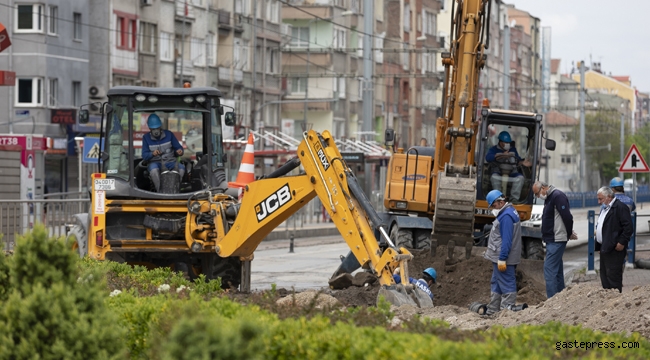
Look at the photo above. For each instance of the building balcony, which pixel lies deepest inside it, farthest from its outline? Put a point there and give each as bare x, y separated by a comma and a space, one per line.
224, 20
230, 75
188, 68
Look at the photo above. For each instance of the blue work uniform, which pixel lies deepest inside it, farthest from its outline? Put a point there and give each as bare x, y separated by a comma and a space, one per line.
421, 284
626, 200
167, 144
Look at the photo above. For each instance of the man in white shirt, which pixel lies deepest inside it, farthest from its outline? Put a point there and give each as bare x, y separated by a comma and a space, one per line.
613, 232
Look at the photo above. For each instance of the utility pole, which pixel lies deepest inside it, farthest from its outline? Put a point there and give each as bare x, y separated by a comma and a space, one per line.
583, 180
506, 67
368, 29
620, 174
254, 73
183, 40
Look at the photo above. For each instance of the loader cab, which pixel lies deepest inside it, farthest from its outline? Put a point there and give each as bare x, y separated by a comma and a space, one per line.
512, 172
194, 118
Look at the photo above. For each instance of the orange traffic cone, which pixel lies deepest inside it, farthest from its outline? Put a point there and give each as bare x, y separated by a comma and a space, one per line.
246, 173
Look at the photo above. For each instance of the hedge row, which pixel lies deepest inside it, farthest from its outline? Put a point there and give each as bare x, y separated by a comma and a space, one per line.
54, 307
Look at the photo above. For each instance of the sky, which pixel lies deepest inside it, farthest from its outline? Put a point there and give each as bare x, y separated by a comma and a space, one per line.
614, 33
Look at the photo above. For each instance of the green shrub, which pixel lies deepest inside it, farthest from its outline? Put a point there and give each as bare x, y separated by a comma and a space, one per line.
51, 312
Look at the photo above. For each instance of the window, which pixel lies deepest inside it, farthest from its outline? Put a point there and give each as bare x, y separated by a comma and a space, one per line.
360, 89
565, 136
242, 7
77, 25
360, 46
340, 41
197, 51
54, 92
53, 27
298, 85
126, 33
29, 18
244, 56
428, 23
30, 91
300, 36
166, 46
379, 44
428, 63
407, 17
211, 49
568, 159
197, 2
148, 37
271, 61
428, 97
339, 87
76, 93
272, 13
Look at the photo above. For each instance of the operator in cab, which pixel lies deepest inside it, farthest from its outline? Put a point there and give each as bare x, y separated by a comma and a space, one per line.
160, 146
505, 158
429, 276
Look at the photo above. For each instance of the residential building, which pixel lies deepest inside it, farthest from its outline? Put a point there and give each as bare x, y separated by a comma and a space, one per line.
50, 56
597, 82
526, 60
562, 166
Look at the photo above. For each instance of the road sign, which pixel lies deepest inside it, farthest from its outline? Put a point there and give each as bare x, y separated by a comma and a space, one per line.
634, 162
91, 150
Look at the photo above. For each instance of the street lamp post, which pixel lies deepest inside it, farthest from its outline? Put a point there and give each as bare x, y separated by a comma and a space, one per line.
80, 152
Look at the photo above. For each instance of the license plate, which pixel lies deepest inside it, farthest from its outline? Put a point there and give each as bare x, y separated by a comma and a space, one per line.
104, 184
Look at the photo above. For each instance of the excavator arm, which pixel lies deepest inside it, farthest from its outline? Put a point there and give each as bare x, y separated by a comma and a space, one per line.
270, 201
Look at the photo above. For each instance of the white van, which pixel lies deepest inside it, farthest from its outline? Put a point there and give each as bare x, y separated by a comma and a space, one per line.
627, 186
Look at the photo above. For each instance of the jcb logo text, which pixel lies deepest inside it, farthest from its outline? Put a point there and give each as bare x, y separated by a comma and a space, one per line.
272, 203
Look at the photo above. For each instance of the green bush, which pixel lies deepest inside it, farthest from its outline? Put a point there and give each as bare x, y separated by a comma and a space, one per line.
52, 313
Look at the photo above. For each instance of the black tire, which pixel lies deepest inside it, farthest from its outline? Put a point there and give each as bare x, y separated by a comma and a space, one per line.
77, 240
533, 249
402, 237
422, 239
228, 269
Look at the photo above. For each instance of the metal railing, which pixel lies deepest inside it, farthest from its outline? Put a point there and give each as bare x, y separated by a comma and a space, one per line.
588, 199
19, 216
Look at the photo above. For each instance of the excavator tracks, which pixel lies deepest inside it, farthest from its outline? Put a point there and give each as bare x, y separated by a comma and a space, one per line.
455, 203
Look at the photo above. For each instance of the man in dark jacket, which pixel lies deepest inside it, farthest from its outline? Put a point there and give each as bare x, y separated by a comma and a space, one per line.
613, 232
557, 228
504, 251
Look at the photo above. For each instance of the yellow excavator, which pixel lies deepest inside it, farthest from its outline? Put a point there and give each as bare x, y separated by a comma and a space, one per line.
198, 224
436, 195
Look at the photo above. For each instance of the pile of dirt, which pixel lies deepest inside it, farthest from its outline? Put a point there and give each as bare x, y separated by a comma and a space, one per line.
586, 304
460, 281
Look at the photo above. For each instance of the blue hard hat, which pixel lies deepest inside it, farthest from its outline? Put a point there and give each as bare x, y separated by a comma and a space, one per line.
492, 196
617, 181
431, 272
505, 137
153, 122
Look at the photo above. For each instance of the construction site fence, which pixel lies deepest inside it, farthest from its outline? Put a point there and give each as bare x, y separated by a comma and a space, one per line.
588, 199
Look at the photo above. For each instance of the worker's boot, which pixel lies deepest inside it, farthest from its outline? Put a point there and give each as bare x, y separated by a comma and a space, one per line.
495, 304
154, 174
508, 300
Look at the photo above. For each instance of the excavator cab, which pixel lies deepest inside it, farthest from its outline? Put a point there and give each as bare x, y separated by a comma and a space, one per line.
192, 115
511, 165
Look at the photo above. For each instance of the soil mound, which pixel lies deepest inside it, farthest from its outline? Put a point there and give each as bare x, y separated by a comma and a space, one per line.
460, 281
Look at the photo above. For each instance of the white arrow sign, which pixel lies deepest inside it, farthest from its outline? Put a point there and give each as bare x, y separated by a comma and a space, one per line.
634, 162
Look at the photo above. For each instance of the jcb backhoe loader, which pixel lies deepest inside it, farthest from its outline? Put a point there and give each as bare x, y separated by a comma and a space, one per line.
436, 195
202, 227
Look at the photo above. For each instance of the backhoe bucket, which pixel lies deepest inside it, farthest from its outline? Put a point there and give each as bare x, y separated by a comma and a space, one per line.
395, 295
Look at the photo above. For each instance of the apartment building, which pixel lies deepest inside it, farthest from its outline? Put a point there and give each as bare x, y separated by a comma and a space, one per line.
50, 56
525, 60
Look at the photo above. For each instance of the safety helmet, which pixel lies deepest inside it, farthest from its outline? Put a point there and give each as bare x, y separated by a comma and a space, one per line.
505, 137
493, 196
431, 272
617, 181
153, 122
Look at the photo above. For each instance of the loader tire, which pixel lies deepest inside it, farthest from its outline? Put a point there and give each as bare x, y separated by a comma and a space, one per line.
533, 248
77, 240
228, 269
401, 237
422, 239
